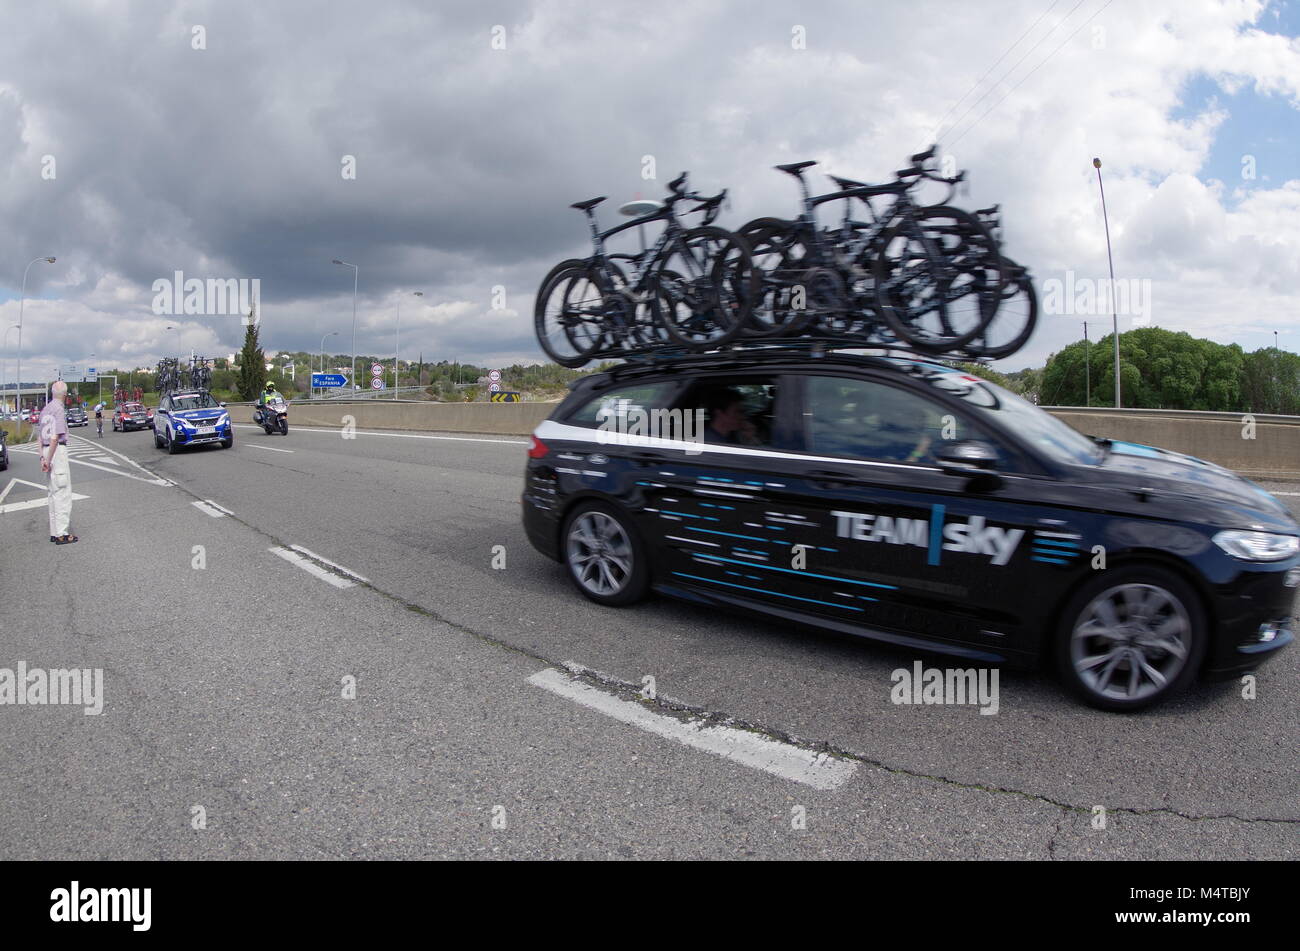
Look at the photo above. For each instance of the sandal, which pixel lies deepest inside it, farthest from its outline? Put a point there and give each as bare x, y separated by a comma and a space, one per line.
64, 539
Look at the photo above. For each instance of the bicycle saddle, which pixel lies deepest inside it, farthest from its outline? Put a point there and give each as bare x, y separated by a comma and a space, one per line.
589, 203
794, 168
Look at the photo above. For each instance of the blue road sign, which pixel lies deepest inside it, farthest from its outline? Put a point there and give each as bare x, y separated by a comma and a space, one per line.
328, 379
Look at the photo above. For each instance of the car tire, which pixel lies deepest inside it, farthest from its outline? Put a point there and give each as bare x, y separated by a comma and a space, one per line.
227, 443
157, 440
614, 570
172, 449
1131, 638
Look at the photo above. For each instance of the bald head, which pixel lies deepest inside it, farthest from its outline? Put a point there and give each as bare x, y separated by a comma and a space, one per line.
59, 391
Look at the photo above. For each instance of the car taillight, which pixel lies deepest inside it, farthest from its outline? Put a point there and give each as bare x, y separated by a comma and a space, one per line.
538, 449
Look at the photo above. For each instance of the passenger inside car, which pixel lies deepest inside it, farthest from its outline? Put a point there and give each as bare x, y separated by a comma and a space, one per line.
737, 415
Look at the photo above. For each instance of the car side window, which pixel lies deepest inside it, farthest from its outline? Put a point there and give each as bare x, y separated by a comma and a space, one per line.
605, 410
738, 411
865, 419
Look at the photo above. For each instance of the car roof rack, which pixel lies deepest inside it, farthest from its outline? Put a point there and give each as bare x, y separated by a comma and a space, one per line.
783, 351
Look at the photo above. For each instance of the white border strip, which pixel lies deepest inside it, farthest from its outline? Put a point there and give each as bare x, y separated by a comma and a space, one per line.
208, 507
740, 746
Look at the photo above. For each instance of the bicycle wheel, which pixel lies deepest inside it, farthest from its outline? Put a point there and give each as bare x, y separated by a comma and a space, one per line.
912, 291
781, 306
973, 267
568, 314
638, 327
1016, 318
705, 286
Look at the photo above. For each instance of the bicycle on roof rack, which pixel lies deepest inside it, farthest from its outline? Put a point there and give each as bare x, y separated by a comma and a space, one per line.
927, 276
691, 289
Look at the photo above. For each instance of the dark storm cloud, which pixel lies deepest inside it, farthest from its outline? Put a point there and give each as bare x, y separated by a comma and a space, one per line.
225, 162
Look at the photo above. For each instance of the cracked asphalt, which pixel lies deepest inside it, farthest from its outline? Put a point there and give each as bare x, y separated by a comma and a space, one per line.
224, 694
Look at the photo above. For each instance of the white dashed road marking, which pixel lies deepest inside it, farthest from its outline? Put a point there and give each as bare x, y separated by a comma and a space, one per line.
785, 760
293, 558
325, 561
267, 448
209, 507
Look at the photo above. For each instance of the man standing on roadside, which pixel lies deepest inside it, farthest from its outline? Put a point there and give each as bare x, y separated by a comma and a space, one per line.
54, 460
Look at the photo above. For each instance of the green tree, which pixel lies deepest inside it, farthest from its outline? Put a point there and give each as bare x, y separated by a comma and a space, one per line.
252, 363
1159, 369
1270, 382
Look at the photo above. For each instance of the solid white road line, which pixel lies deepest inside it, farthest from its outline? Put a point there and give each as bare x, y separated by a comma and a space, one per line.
29, 503
740, 746
359, 432
296, 559
208, 507
152, 477
267, 448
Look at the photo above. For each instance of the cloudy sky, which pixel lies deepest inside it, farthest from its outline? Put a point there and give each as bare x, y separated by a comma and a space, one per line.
218, 139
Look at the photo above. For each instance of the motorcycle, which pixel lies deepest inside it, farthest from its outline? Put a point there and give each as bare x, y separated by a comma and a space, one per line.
273, 417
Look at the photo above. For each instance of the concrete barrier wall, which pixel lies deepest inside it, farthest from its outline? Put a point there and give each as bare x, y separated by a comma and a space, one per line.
1217, 437
506, 419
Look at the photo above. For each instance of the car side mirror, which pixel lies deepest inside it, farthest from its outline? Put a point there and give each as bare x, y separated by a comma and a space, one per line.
971, 458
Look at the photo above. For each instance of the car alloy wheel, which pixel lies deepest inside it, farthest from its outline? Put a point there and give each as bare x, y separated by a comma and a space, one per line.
1133, 639
604, 556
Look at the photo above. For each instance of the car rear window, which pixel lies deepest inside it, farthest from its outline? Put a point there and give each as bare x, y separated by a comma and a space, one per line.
620, 401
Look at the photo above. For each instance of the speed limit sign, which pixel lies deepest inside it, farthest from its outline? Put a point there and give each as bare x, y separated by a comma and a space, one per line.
376, 369
376, 384
494, 376
494, 387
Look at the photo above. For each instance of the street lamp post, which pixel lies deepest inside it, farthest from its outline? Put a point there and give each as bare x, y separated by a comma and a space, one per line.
1087, 369
322, 353
397, 338
8, 330
22, 299
1096, 163
356, 271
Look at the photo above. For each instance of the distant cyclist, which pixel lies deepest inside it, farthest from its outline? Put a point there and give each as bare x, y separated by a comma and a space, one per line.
99, 418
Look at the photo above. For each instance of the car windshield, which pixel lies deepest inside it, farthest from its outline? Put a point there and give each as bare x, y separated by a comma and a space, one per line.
1015, 414
133, 408
188, 401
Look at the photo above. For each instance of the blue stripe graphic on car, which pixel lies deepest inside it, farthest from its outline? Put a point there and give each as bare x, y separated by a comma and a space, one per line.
793, 571
745, 587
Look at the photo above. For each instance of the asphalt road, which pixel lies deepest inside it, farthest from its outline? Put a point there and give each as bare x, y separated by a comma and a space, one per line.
224, 691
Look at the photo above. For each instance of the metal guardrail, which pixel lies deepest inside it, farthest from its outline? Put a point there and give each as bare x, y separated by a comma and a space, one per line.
1192, 414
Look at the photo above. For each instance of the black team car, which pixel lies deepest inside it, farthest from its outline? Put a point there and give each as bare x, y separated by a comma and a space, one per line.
908, 502
76, 416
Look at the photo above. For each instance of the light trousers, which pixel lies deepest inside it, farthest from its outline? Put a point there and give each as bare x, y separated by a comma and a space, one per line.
60, 492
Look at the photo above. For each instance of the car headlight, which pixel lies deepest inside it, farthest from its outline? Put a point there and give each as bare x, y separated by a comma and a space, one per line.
1257, 546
